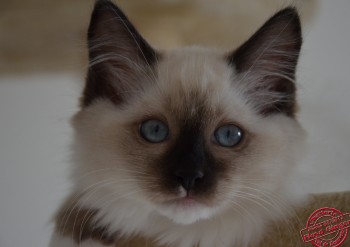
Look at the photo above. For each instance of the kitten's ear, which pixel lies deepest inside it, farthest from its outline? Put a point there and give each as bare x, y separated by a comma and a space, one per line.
266, 63
120, 60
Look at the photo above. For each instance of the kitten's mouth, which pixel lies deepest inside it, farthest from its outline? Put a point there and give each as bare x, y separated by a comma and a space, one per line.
187, 202
185, 210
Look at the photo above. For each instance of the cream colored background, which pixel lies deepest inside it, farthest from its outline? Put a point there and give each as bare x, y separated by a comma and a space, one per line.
42, 65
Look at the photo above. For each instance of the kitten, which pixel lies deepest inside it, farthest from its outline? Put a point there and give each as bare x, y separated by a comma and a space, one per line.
189, 147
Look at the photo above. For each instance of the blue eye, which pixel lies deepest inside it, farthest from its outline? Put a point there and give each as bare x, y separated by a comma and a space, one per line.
228, 135
154, 131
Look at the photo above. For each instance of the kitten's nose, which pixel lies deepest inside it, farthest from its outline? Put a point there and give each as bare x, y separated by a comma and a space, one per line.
189, 178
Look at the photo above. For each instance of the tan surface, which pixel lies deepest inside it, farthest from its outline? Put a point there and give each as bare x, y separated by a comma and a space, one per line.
50, 35
287, 234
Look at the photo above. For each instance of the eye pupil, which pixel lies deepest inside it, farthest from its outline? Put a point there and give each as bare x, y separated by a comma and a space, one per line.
228, 135
154, 131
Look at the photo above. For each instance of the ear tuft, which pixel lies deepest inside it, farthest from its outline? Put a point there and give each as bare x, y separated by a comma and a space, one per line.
267, 62
120, 60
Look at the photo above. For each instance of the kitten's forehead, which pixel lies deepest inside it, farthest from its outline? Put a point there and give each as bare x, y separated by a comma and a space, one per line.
193, 80
193, 68
192, 84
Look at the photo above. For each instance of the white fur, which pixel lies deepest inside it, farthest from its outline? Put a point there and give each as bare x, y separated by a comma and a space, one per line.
260, 193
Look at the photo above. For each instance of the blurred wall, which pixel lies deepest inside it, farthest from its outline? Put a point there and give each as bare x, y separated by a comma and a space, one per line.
50, 35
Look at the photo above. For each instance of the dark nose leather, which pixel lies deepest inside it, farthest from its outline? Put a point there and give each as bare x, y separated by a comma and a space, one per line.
188, 179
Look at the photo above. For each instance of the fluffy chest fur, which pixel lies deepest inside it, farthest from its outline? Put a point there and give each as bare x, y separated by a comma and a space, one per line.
191, 147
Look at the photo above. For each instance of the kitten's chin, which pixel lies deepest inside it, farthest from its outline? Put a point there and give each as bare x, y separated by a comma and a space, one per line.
185, 211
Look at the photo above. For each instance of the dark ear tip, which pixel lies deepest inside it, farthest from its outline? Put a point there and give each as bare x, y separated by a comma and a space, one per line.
101, 9
289, 10
291, 16
294, 16
289, 13
100, 4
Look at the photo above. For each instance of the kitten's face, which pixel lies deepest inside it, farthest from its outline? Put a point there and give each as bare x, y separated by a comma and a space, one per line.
184, 132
